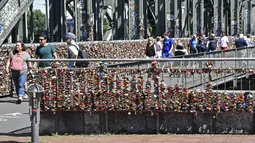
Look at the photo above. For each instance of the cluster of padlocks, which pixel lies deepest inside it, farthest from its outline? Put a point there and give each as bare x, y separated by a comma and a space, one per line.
102, 89
132, 90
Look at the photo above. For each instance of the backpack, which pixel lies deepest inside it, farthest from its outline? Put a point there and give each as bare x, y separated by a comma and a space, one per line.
81, 55
212, 44
17, 62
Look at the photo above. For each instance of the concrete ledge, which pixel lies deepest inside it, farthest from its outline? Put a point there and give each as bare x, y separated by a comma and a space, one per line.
145, 123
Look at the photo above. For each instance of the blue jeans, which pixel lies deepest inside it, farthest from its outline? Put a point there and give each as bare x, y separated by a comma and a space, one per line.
19, 82
167, 55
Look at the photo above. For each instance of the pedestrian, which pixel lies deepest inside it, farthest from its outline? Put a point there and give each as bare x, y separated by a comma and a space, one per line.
249, 41
224, 43
193, 44
73, 48
240, 43
159, 47
212, 44
18, 64
167, 51
180, 50
45, 51
150, 50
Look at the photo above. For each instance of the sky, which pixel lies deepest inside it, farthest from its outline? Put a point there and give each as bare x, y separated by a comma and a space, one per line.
40, 4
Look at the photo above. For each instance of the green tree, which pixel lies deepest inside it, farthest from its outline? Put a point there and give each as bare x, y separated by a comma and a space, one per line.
39, 24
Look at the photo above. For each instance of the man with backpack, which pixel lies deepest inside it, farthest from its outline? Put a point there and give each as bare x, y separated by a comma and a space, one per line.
74, 52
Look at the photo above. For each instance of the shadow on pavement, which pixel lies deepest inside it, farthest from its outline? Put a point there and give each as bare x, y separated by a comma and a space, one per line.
10, 142
23, 132
15, 134
13, 100
4, 96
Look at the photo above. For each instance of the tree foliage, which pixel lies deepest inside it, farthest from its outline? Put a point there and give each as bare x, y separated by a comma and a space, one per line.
39, 24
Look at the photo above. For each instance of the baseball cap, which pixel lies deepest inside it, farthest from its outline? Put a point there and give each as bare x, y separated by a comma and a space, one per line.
70, 36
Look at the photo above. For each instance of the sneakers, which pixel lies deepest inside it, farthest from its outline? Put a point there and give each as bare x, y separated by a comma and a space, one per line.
25, 96
20, 99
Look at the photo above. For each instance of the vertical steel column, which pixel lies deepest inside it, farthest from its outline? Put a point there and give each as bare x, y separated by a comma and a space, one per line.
51, 22
97, 16
56, 20
62, 19
218, 17
157, 15
248, 18
142, 19
31, 34
253, 17
81, 21
115, 17
201, 16
177, 25
167, 15
133, 19
233, 15
185, 16
118, 33
206, 17
75, 20
160, 17
90, 21
225, 26
25, 29
189, 17
240, 16
173, 18
180, 31
47, 17
222, 20
125, 20
195, 16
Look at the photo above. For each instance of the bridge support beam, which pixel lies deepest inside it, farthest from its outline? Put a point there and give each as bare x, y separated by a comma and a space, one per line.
234, 19
57, 20
89, 21
218, 17
118, 28
160, 17
133, 31
97, 9
176, 23
248, 17
167, 16
252, 17
195, 16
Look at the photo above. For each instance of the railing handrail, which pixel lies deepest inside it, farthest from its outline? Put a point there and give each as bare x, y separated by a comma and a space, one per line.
142, 59
185, 56
94, 42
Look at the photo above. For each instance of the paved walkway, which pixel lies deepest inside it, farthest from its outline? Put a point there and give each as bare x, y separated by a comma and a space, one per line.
138, 139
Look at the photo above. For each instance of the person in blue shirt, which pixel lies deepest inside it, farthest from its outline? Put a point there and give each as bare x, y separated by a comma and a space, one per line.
240, 41
193, 44
167, 51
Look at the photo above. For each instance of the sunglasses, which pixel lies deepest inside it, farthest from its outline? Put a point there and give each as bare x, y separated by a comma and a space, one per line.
41, 39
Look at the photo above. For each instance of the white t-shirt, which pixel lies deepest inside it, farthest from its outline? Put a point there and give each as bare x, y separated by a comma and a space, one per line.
224, 41
74, 50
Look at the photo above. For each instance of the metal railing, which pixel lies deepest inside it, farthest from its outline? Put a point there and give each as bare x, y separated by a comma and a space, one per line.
156, 87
